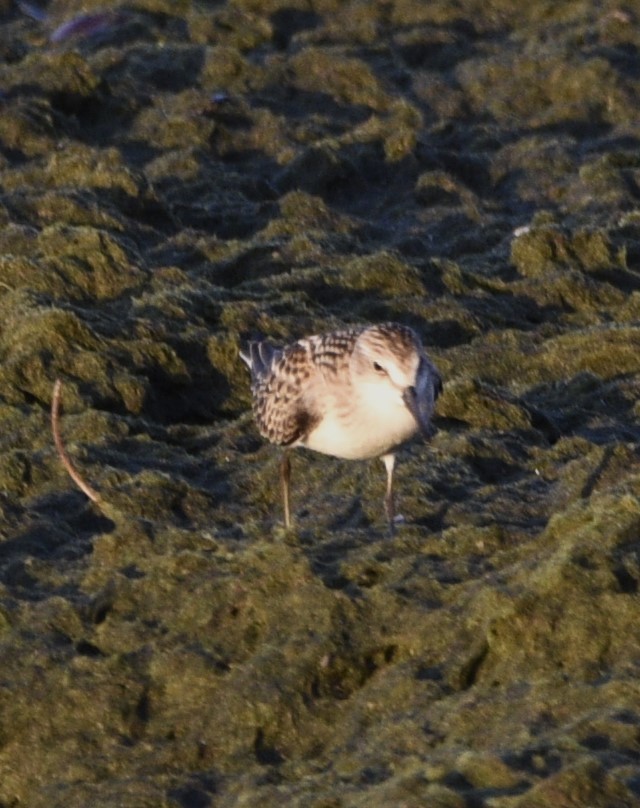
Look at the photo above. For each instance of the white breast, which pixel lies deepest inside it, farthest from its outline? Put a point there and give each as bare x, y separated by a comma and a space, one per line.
367, 426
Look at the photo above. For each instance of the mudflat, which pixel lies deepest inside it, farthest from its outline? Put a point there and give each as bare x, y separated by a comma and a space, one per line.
177, 177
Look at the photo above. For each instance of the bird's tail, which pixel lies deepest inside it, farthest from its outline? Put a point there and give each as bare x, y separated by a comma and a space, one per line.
259, 358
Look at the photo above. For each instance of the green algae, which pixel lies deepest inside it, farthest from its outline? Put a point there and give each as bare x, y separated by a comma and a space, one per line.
605, 351
223, 353
383, 273
29, 345
62, 72
542, 90
15, 472
347, 80
437, 188
584, 781
187, 178
90, 260
28, 127
542, 250
466, 400
172, 128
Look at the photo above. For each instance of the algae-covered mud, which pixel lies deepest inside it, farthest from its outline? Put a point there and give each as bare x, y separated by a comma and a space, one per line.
178, 176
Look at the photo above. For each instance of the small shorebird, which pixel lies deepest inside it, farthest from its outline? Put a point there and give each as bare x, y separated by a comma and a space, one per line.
356, 393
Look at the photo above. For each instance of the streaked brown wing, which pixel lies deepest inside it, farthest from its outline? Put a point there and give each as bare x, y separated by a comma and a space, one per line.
279, 406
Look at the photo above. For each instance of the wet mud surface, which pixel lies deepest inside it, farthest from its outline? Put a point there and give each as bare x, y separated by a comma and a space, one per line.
176, 177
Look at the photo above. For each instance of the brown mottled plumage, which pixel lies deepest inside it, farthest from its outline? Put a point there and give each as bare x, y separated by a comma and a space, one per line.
355, 393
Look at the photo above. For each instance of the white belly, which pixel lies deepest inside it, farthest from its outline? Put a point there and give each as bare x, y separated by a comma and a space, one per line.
363, 433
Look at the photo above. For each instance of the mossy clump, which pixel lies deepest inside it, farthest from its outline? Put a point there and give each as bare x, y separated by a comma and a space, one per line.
487, 770
584, 782
38, 344
28, 127
347, 80
535, 252
481, 406
306, 210
79, 166
383, 272
239, 26
437, 188
580, 590
541, 251
94, 263
401, 129
15, 471
64, 74
519, 360
225, 69
223, 353
593, 250
604, 181
578, 295
606, 351
21, 272
172, 126
74, 207
546, 88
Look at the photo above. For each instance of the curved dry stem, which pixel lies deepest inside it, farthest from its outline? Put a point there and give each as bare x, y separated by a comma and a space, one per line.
93, 495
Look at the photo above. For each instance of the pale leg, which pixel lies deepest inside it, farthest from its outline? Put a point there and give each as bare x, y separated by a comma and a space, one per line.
285, 476
389, 461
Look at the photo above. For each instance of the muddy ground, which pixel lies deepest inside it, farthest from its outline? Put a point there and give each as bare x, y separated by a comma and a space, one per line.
178, 176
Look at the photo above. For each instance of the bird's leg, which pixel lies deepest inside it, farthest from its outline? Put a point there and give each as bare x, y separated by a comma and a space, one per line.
389, 461
285, 476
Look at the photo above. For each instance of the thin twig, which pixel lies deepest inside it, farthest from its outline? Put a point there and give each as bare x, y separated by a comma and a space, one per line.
93, 495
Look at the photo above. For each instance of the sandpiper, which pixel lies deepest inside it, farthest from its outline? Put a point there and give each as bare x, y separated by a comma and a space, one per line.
356, 393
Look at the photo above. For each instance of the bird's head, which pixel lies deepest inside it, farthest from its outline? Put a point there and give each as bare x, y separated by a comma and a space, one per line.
390, 361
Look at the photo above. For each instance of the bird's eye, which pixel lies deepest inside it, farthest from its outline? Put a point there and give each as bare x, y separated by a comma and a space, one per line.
378, 368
